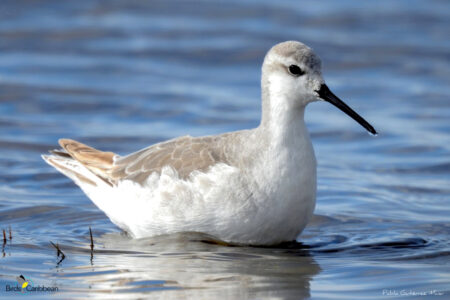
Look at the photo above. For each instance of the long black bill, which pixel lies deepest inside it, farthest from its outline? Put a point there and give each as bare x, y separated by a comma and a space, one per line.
328, 96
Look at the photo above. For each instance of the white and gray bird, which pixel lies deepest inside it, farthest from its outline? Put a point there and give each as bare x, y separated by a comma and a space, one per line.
255, 186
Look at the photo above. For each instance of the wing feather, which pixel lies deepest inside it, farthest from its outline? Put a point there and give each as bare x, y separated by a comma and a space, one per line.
185, 154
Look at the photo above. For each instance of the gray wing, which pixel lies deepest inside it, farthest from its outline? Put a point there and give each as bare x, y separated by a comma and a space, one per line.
184, 154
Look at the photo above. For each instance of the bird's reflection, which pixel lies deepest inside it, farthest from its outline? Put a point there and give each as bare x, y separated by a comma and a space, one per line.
183, 265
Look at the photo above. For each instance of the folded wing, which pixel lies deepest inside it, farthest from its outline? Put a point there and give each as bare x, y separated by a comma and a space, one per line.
185, 155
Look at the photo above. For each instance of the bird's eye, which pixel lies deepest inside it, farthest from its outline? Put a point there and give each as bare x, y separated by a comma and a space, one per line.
295, 70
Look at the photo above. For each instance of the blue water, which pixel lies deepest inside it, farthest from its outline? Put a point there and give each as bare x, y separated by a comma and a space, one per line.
121, 75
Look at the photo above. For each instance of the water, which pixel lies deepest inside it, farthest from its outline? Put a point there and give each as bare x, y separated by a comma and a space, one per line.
122, 75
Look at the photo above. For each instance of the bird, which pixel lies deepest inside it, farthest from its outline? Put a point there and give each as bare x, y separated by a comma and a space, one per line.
248, 187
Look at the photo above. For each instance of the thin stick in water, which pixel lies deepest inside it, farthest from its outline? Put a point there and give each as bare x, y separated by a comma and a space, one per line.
57, 248
92, 245
92, 240
59, 252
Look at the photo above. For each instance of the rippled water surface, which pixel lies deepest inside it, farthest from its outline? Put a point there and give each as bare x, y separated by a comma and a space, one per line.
120, 75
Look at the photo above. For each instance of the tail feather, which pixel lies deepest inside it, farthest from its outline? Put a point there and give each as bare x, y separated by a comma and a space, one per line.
73, 169
97, 161
81, 163
60, 152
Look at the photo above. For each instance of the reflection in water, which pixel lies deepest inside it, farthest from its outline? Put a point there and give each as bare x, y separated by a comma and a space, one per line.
184, 266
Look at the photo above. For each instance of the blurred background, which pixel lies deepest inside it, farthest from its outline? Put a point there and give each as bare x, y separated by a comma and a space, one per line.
121, 75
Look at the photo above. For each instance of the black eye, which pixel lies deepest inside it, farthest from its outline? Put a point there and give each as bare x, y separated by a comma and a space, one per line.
295, 70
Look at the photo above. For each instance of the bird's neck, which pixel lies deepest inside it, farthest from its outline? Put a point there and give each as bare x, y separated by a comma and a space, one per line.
281, 122
283, 154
